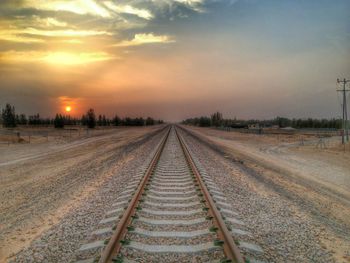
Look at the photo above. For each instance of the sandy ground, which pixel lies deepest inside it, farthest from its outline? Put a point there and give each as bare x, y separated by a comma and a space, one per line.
42, 181
315, 180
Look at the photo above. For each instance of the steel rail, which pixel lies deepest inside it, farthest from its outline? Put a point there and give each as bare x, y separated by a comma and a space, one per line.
114, 244
230, 249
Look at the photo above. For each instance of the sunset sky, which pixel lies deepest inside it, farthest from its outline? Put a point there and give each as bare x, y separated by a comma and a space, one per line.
174, 59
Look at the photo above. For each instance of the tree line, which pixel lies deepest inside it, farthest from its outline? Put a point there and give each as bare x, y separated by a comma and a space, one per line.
216, 120
10, 119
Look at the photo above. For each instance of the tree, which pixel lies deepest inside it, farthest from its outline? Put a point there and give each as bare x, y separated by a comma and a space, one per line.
104, 120
83, 120
139, 121
204, 122
127, 121
116, 120
216, 119
35, 119
282, 122
99, 120
59, 121
149, 121
23, 119
91, 118
9, 116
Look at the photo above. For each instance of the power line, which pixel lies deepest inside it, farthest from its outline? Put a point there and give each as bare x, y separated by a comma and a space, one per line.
345, 109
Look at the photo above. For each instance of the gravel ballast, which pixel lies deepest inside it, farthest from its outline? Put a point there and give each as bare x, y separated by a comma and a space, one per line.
277, 225
61, 242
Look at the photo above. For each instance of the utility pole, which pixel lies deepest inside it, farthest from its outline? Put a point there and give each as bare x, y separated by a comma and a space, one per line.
345, 109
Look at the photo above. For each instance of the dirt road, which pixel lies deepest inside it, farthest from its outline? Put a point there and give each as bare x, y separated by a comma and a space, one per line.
40, 183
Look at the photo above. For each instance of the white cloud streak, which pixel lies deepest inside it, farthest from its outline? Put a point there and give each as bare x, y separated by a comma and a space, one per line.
128, 9
19, 35
81, 7
141, 39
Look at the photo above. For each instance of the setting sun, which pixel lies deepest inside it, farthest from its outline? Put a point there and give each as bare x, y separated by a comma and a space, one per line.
233, 114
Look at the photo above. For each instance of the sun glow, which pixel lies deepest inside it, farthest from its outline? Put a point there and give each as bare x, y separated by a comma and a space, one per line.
73, 59
68, 108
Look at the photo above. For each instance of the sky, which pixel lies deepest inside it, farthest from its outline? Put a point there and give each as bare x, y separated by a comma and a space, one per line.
175, 59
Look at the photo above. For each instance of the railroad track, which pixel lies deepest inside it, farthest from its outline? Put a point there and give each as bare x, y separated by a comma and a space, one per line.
172, 215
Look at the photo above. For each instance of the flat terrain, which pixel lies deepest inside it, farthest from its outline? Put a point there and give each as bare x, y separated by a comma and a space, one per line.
314, 181
328, 166
292, 196
42, 181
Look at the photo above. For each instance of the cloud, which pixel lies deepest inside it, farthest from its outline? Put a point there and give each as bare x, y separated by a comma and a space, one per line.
63, 33
81, 7
57, 31
141, 39
49, 22
56, 58
34, 21
13, 37
172, 5
128, 9
33, 34
195, 5
72, 41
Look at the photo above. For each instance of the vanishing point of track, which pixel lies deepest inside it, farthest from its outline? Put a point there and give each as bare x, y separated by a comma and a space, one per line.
171, 217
